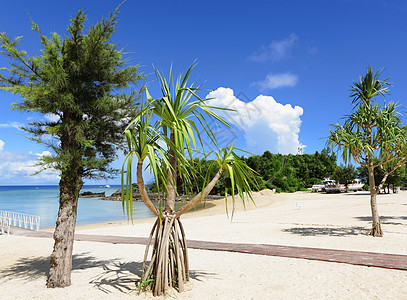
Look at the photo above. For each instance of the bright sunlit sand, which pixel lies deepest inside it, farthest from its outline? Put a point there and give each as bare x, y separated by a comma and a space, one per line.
332, 221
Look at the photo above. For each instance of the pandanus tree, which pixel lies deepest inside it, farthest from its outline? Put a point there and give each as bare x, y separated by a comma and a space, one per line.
168, 133
372, 135
78, 80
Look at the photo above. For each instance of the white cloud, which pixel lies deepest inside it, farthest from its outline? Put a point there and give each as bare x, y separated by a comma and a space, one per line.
17, 168
43, 153
277, 50
11, 124
52, 117
274, 81
1, 145
266, 124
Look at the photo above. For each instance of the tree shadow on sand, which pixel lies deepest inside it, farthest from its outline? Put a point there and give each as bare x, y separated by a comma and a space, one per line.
116, 275
32, 268
359, 193
387, 220
125, 277
325, 231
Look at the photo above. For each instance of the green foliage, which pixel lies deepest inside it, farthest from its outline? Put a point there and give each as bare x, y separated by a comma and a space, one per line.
78, 79
373, 134
77, 85
369, 87
300, 172
172, 121
345, 174
396, 178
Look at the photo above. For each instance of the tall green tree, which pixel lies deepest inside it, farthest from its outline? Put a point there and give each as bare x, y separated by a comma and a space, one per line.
373, 135
289, 173
345, 175
166, 133
79, 79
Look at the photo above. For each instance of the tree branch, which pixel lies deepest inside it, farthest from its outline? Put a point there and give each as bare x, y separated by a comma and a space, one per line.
143, 191
200, 196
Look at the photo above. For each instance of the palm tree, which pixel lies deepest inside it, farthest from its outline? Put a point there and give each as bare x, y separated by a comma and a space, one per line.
166, 132
373, 135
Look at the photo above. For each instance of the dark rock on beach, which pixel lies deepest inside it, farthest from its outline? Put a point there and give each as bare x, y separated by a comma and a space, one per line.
88, 194
117, 196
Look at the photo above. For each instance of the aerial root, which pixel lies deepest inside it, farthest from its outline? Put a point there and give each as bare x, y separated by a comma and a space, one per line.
376, 230
169, 259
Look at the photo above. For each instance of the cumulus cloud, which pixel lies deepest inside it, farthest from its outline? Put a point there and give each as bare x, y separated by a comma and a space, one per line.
17, 168
265, 123
1, 145
274, 81
275, 51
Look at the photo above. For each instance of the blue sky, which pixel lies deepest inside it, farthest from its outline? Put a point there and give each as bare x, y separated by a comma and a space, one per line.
285, 66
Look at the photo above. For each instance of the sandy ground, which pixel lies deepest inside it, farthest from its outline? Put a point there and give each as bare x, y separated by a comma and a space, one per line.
335, 221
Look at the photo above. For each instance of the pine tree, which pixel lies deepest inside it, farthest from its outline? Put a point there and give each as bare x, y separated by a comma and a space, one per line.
79, 80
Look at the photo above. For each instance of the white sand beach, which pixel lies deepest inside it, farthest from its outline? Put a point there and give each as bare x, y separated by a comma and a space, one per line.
332, 221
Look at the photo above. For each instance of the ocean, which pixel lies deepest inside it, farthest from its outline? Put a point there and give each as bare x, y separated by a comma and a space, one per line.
43, 201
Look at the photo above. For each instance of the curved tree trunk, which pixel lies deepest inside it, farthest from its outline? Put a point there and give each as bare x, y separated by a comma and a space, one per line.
61, 257
172, 178
143, 191
376, 227
199, 197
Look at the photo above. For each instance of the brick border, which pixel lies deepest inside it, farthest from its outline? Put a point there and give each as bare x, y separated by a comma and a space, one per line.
361, 258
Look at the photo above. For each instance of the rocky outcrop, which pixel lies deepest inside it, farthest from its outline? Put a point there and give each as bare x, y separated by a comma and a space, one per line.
88, 194
117, 196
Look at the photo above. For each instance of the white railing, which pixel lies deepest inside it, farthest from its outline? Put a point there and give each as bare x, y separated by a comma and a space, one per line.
9, 218
4, 225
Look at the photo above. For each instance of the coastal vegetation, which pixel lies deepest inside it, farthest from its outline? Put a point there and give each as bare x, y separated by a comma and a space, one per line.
373, 135
76, 86
165, 133
284, 173
292, 173
345, 174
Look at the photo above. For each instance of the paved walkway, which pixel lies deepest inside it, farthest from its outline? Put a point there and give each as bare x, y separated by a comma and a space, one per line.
369, 259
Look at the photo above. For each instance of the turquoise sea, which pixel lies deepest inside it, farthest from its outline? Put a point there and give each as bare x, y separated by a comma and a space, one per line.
43, 201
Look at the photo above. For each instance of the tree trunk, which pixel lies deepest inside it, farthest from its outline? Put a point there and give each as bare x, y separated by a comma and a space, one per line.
172, 179
61, 257
199, 197
376, 227
143, 191
69, 188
